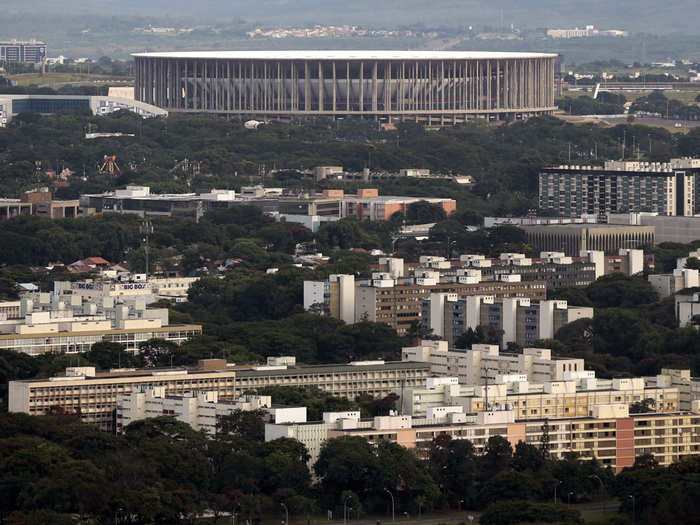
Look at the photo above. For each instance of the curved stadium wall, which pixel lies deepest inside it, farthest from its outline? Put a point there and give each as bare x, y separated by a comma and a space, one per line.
435, 87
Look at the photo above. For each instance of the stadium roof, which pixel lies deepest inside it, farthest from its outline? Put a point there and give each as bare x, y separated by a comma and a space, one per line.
343, 55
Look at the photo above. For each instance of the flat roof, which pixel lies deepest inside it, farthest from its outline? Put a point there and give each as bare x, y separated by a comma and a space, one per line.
343, 55
70, 333
330, 368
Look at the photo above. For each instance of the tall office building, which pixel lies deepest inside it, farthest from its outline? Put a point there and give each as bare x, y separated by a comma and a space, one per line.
30, 52
666, 188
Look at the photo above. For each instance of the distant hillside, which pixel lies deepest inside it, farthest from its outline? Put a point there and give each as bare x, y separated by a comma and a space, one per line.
633, 15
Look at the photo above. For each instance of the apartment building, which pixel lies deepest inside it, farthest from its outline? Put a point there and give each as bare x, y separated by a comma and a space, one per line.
666, 284
520, 320
48, 324
610, 434
688, 386
663, 188
93, 395
397, 301
376, 378
202, 410
575, 396
687, 307
484, 364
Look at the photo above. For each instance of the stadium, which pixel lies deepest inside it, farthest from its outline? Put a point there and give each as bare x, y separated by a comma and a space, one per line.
436, 87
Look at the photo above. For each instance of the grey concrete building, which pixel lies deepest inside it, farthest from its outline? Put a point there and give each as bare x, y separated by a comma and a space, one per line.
437, 87
573, 238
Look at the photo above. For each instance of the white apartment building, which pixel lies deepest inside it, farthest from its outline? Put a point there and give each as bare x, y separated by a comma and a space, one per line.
199, 409
93, 395
669, 283
485, 363
124, 285
687, 307
575, 396
610, 433
46, 323
521, 320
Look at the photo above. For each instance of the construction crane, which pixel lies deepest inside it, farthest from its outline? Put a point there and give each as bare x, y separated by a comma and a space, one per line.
110, 165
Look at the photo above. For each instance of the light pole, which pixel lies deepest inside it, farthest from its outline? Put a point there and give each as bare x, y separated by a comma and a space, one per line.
556, 485
146, 230
602, 486
345, 510
634, 513
392, 503
286, 514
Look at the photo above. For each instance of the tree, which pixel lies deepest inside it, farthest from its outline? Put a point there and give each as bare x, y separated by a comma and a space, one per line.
527, 457
423, 212
156, 353
642, 407
484, 334
497, 457
453, 465
692, 263
248, 424
618, 290
106, 355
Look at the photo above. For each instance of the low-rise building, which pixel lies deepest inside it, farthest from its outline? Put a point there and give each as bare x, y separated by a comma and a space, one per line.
116, 285
93, 395
46, 323
376, 378
572, 239
138, 200
202, 410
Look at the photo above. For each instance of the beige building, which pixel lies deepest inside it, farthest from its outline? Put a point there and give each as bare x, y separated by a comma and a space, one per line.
610, 433
572, 239
375, 378
78, 340
575, 396
93, 395
484, 363
399, 305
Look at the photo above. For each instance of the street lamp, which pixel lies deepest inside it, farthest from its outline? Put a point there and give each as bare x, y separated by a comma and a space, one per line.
146, 230
634, 514
569, 499
345, 510
392, 503
556, 485
286, 514
602, 486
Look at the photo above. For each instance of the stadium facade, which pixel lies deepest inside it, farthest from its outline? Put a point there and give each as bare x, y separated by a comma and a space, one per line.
437, 87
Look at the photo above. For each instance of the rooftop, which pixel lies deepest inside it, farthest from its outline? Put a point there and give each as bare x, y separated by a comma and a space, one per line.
343, 55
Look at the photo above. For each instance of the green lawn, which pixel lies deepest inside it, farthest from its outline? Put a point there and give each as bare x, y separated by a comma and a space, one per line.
54, 79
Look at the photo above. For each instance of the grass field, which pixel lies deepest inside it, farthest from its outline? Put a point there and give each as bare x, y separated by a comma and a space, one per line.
59, 79
686, 96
